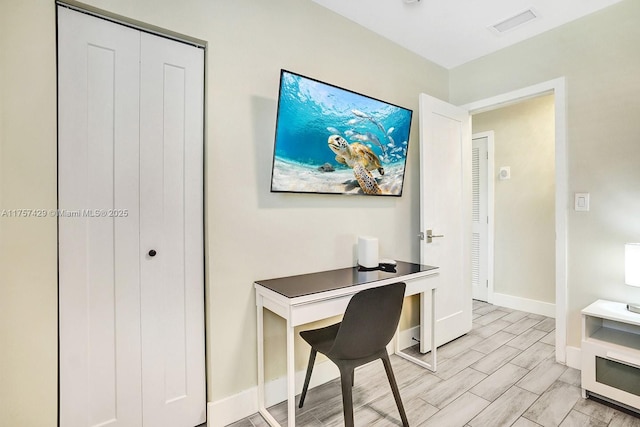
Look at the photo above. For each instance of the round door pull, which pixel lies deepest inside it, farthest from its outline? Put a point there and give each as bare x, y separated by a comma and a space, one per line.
152, 253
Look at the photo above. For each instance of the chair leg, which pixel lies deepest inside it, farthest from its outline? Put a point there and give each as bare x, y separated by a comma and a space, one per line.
394, 388
307, 378
346, 380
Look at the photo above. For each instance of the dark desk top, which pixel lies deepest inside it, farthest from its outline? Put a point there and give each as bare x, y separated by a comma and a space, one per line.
306, 284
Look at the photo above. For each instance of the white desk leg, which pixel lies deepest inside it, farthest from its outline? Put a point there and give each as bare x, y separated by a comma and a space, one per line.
433, 330
424, 337
291, 377
428, 335
260, 333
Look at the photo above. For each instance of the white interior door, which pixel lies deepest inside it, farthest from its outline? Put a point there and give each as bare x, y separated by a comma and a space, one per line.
129, 180
445, 209
480, 219
171, 224
99, 297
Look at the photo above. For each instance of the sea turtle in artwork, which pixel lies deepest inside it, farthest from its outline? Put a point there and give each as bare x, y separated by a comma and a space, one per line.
361, 159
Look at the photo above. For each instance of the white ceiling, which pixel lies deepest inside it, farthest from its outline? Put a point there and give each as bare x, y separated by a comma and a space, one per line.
453, 32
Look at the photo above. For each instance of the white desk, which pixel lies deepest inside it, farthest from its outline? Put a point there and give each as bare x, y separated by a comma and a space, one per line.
311, 297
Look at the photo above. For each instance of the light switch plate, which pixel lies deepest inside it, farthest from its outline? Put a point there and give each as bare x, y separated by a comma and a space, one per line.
581, 202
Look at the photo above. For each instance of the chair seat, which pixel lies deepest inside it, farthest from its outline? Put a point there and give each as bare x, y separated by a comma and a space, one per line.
321, 339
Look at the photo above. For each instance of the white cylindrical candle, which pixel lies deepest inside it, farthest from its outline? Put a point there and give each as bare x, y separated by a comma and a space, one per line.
368, 251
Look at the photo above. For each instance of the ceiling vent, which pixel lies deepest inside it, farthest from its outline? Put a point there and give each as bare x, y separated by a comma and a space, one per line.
515, 21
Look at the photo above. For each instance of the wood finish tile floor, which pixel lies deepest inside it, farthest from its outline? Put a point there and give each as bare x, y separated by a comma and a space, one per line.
502, 373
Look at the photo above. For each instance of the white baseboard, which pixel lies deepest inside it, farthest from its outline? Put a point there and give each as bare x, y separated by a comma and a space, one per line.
233, 408
574, 358
524, 304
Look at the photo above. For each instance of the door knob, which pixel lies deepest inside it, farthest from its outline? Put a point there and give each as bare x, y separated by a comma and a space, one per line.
430, 236
152, 253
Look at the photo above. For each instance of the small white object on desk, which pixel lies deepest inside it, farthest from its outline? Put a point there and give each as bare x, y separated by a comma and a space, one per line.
368, 251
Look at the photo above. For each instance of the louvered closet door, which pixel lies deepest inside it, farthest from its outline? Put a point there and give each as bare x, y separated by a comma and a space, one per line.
129, 180
480, 220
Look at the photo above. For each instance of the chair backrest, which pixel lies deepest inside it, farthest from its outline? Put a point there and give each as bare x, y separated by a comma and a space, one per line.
369, 322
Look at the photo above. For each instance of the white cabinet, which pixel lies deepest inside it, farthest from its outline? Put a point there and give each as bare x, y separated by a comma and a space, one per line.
131, 253
611, 353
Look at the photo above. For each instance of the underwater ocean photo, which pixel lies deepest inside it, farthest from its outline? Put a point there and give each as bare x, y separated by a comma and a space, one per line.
331, 140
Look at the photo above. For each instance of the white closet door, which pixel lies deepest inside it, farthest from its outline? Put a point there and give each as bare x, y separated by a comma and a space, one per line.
171, 210
99, 297
131, 174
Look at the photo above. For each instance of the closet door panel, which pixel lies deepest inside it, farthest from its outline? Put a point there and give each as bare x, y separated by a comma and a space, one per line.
172, 225
98, 224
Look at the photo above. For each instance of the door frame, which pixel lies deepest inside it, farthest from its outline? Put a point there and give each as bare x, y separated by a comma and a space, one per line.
132, 23
490, 135
557, 87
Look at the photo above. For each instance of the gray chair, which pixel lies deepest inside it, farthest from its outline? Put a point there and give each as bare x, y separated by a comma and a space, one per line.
368, 325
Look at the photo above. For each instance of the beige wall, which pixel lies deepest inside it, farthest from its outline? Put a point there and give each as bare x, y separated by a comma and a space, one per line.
251, 233
524, 205
28, 287
599, 57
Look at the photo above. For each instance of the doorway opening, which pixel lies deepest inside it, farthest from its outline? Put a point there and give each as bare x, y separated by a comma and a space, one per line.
516, 269
555, 87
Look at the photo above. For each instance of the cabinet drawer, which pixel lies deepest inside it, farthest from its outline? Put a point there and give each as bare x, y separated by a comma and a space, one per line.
611, 372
